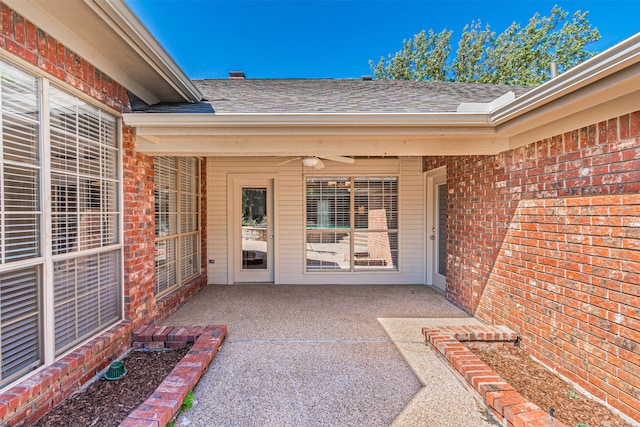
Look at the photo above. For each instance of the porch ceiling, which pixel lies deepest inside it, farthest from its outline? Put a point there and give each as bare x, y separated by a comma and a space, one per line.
315, 134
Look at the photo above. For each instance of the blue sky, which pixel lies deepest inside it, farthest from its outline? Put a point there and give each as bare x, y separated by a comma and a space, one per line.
315, 39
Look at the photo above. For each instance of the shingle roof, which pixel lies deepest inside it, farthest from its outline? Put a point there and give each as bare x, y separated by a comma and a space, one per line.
336, 96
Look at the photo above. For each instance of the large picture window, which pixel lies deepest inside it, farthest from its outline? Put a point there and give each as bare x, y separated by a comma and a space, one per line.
352, 224
177, 217
67, 247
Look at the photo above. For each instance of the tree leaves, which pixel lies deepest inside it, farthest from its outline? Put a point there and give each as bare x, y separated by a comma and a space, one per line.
517, 56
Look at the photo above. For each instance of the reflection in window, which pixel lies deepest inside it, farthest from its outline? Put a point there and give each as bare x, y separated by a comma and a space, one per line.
352, 224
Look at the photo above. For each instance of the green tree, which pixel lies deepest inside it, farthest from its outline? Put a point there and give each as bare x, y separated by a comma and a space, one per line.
519, 55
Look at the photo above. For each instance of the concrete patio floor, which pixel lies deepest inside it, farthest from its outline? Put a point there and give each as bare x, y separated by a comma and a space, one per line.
327, 356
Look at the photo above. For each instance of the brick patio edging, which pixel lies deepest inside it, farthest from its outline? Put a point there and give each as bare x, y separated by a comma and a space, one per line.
165, 402
507, 405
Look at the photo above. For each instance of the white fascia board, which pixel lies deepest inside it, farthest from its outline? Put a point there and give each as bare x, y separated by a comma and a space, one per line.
122, 20
619, 57
161, 120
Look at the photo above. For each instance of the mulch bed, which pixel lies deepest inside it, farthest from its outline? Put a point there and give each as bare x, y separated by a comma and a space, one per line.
545, 389
107, 403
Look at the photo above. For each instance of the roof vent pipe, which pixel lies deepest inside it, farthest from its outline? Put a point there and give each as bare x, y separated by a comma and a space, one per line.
367, 78
554, 70
237, 75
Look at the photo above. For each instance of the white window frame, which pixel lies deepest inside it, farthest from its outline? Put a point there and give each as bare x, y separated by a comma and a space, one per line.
352, 230
44, 261
178, 238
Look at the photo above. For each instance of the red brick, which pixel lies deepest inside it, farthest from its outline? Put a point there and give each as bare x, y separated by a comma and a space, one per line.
495, 390
545, 422
524, 419
131, 421
489, 378
511, 411
501, 404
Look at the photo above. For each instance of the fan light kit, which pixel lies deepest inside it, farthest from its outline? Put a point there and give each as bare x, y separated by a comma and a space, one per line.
310, 161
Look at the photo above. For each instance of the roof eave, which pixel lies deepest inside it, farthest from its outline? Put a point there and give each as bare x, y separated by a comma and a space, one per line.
85, 27
120, 17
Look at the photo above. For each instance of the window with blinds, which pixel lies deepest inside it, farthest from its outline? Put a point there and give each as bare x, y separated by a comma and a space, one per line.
81, 146
177, 217
85, 218
86, 291
20, 223
84, 175
352, 224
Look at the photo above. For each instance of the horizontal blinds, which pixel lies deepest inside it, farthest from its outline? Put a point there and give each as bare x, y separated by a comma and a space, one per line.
177, 216
352, 223
166, 265
84, 175
19, 321
166, 195
85, 215
189, 194
189, 264
86, 295
20, 215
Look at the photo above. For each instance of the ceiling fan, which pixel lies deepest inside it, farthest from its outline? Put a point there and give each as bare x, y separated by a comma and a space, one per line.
316, 161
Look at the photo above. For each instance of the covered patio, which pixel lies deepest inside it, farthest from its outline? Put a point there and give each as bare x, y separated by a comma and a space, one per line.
328, 355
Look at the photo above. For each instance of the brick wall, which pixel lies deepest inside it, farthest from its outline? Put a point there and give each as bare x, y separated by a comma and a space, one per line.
545, 239
139, 232
23, 39
27, 400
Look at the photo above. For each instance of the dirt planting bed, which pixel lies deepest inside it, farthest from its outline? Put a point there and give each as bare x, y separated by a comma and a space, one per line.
545, 389
107, 403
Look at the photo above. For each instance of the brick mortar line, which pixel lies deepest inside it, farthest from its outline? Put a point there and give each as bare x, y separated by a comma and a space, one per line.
506, 404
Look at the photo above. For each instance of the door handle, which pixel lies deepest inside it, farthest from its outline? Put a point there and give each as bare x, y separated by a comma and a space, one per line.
432, 237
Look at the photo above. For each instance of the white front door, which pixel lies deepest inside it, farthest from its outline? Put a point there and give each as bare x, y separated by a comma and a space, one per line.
253, 256
437, 229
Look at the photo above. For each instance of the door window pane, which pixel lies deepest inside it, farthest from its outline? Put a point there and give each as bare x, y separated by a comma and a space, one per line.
254, 229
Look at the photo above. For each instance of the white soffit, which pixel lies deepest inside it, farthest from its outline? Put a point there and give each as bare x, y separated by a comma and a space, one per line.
109, 36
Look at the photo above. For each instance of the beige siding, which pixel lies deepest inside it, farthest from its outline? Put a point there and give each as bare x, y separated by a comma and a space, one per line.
289, 213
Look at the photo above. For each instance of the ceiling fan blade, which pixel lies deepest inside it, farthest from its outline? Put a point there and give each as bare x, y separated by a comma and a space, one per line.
319, 165
289, 161
340, 159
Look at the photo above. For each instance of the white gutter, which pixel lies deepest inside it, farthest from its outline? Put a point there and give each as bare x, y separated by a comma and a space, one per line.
162, 120
123, 21
612, 60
